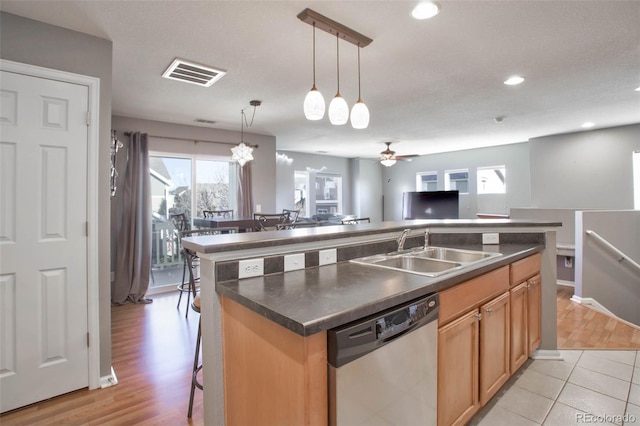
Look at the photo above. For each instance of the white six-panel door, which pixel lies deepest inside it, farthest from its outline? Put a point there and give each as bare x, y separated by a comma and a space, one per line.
43, 239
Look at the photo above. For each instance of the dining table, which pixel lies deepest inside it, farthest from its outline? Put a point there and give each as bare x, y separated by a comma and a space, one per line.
243, 223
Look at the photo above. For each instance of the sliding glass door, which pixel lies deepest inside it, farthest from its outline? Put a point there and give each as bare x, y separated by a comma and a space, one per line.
187, 185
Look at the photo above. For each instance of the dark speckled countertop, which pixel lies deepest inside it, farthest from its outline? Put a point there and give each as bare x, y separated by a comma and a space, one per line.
311, 300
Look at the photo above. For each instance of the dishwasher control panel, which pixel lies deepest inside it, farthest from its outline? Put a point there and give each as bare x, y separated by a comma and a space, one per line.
356, 339
402, 319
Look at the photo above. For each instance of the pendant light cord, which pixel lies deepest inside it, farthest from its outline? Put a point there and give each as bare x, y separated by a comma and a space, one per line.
338, 59
314, 54
359, 99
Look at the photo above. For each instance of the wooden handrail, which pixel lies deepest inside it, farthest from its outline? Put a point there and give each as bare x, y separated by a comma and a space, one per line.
621, 256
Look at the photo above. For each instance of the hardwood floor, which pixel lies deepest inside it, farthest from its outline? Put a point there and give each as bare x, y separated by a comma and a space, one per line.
153, 353
152, 349
580, 327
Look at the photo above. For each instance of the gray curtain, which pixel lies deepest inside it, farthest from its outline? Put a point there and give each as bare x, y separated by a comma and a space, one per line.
245, 193
133, 247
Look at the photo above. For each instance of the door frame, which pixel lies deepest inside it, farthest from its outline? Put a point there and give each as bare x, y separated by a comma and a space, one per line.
93, 138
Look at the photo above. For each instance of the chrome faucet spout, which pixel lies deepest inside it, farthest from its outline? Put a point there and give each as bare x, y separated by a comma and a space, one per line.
402, 238
427, 238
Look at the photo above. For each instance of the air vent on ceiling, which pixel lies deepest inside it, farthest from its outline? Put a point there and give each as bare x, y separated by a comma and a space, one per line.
190, 72
204, 120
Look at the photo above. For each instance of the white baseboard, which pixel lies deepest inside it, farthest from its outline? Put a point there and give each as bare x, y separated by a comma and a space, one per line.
550, 354
109, 380
565, 283
592, 303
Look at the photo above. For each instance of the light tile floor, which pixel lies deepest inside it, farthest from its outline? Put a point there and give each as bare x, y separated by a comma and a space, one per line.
588, 387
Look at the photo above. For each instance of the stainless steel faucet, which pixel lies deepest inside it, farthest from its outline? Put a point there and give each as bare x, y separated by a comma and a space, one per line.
427, 237
402, 238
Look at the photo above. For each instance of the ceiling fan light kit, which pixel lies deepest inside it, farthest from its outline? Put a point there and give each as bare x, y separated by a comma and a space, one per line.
314, 105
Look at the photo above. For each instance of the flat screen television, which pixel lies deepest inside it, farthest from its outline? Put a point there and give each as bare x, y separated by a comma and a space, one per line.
430, 205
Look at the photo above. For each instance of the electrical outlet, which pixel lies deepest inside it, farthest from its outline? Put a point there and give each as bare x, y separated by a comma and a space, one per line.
491, 238
293, 262
250, 268
328, 256
568, 262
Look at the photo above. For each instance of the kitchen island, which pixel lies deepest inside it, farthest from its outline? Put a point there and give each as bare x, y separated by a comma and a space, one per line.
297, 307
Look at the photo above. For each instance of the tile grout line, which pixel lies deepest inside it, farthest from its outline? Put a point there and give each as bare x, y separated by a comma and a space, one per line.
555, 401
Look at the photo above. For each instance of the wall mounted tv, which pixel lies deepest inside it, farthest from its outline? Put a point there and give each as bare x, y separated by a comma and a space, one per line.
430, 205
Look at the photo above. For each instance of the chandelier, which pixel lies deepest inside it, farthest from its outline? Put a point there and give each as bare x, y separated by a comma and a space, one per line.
314, 105
242, 152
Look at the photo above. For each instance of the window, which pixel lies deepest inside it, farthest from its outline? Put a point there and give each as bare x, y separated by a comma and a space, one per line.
173, 181
492, 180
457, 180
328, 191
427, 181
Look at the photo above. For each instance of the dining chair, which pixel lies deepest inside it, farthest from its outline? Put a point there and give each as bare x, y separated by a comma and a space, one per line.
293, 214
355, 221
296, 225
270, 221
218, 213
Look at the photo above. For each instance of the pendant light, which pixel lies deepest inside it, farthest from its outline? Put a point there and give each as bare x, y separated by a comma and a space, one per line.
359, 112
338, 108
314, 101
242, 152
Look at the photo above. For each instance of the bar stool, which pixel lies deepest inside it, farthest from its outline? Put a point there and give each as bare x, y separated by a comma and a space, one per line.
195, 305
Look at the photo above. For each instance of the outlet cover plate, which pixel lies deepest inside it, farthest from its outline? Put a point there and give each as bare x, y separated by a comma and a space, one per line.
293, 262
491, 238
250, 268
328, 256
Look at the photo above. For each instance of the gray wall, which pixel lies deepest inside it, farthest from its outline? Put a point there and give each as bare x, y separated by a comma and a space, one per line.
299, 162
599, 273
585, 170
32, 42
367, 189
402, 177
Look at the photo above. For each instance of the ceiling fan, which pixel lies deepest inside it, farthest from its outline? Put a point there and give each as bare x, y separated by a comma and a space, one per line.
388, 157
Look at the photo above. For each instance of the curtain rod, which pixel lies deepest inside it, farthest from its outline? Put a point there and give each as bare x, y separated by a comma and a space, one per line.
191, 140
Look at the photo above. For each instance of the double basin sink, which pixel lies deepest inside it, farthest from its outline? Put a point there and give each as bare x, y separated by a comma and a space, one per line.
428, 261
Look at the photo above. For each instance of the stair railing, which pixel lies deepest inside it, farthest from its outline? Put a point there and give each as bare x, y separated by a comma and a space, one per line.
618, 253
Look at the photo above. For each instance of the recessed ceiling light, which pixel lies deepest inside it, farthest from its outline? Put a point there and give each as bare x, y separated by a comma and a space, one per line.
588, 125
512, 81
426, 10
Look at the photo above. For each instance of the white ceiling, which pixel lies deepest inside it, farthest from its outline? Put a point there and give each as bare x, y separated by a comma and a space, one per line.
431, 86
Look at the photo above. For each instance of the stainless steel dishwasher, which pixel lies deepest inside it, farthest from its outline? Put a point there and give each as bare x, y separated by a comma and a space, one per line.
383, 369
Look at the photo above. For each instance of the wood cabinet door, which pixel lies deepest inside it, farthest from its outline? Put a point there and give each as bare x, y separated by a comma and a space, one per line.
534, 312
519, 319
494, 346
458, 370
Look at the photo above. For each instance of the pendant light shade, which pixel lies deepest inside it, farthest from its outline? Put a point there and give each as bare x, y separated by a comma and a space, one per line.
314, 101
314, 105
360, 115
338, 108
242, 154
359, 112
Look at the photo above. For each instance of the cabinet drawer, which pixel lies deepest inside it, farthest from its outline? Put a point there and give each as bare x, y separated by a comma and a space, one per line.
457, 300
524, 268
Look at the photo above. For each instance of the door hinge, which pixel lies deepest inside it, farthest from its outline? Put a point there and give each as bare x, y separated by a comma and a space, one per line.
86, 229
88, 345
88, 118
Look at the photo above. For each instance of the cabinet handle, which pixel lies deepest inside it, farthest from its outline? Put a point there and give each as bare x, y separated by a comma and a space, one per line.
534, 283
479, 316
488, 310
